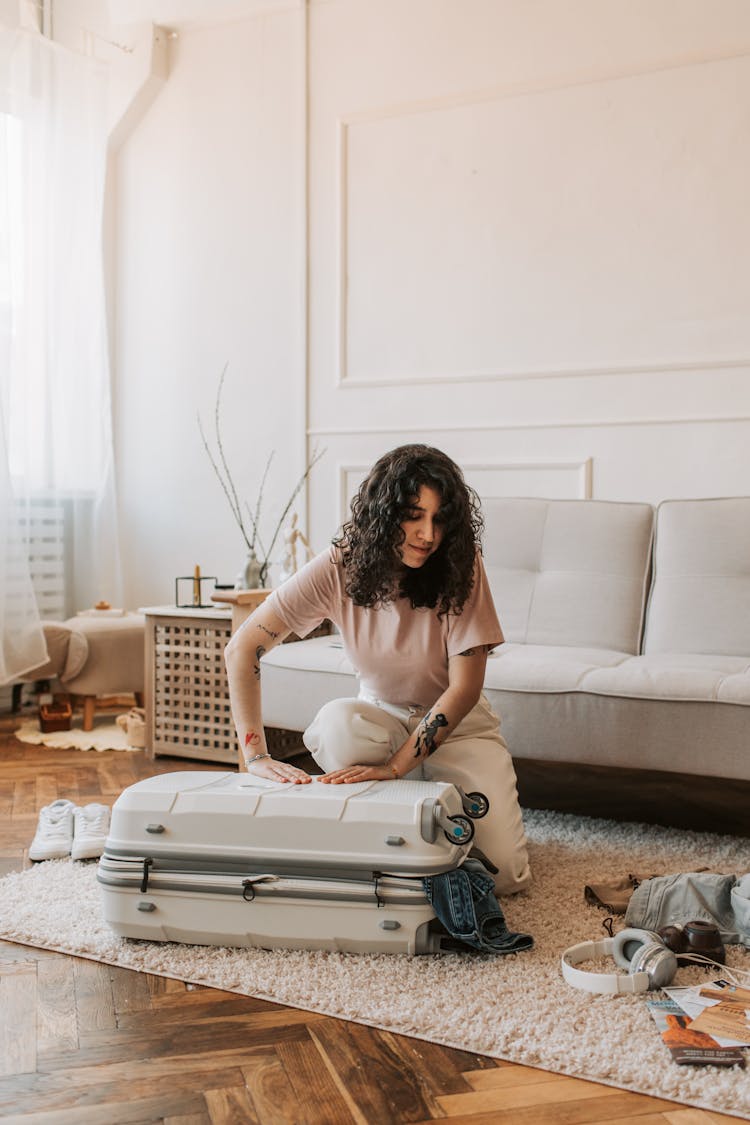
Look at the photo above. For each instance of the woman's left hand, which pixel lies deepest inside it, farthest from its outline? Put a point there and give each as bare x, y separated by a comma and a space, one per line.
352, 774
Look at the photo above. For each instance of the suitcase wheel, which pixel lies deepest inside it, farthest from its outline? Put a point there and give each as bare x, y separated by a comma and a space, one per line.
461, 830
476, 805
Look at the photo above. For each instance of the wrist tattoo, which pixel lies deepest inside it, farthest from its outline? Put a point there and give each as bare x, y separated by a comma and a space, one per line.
252, 738
427, 732
256, 667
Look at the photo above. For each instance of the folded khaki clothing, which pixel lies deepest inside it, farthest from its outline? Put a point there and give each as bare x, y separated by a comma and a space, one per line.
613, 894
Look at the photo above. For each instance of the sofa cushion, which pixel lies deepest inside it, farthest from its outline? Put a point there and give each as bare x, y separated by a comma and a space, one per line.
569, 572
300, 677
700, 597
675, 676
546, 668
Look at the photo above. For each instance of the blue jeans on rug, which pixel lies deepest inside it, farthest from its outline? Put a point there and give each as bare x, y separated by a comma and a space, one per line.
464, 901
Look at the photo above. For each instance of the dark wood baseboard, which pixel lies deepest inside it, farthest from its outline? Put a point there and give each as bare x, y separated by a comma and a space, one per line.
706, 804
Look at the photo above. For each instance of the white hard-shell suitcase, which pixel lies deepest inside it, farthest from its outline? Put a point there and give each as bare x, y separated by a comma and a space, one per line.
236, 860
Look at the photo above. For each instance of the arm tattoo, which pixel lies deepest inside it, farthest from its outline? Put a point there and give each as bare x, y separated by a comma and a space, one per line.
468, 652
269, 632
256, 667
427, 733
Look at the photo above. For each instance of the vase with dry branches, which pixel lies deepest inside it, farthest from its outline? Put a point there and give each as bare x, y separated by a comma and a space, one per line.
259, 557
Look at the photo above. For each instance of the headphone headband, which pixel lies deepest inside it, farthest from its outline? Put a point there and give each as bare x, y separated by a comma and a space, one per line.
649, 957
609, 983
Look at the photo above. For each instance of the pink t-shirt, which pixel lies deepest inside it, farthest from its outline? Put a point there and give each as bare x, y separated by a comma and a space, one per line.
400, 654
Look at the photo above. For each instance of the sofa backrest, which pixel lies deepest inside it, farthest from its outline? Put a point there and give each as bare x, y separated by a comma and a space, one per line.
569, 572
700, 595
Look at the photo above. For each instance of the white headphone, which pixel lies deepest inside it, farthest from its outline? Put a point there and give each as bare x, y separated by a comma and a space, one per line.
649, 963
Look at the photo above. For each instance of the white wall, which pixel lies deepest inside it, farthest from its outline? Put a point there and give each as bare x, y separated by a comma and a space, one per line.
529, 244
210, 271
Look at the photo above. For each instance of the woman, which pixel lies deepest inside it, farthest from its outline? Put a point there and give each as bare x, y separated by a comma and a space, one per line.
405, 584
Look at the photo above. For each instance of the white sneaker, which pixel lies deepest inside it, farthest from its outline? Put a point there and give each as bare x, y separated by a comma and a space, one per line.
54, 832
90, 831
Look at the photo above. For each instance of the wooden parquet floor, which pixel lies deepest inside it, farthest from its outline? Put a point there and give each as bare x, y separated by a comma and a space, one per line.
86, 1044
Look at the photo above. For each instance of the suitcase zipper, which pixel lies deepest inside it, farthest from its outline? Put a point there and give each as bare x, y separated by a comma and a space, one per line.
143, 875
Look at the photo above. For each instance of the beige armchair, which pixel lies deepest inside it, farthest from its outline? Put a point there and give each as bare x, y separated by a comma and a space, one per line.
115, 662
67, 652
92, 657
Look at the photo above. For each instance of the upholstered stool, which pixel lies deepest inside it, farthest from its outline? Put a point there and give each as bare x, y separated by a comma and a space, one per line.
67, 652
115, 662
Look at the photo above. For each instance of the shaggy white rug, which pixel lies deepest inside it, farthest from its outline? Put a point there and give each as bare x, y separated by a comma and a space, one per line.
516, 1008
106, 735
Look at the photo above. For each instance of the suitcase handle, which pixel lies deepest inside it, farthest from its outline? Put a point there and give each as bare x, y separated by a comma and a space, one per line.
144, 881
248, 885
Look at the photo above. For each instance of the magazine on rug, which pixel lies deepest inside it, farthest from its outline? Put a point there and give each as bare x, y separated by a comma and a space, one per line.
687, 1046
720, 1008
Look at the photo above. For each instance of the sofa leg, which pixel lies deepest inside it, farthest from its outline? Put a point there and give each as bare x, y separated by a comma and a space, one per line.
89, 704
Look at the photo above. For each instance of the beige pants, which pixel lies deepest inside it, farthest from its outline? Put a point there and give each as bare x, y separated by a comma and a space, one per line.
348, 732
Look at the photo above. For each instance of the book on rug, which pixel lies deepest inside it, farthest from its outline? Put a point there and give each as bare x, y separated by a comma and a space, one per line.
688, 1046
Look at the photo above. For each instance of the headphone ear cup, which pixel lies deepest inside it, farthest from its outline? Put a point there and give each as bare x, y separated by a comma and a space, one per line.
657, 961
627, 943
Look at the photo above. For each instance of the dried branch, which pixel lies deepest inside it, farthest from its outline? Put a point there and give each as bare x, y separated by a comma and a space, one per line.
317, 454
235, 513
217, 428
224, 476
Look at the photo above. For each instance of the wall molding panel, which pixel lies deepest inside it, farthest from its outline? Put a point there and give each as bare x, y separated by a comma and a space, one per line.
542, 424
348, 384
534, 282
493, 480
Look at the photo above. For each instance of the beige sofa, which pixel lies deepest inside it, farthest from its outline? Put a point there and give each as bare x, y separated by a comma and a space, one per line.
627, 641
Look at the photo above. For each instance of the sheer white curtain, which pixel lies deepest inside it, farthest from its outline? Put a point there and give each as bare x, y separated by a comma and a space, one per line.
56, 441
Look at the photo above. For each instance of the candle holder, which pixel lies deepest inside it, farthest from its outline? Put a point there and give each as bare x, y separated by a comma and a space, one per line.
196, 589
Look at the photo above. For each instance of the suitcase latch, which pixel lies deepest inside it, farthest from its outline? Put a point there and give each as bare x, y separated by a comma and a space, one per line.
155, 829
395, 841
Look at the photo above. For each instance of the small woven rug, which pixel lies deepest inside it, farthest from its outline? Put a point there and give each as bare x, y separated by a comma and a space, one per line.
516, 1008
106, 735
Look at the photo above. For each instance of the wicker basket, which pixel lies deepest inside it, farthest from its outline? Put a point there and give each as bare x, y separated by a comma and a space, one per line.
57, 715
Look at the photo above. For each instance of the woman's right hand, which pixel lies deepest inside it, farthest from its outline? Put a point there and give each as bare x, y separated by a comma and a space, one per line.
278, 771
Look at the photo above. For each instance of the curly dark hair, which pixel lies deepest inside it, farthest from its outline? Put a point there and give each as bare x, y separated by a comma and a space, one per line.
370, 539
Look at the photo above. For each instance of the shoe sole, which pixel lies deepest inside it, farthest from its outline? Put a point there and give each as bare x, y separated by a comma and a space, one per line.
91, 852
39, 857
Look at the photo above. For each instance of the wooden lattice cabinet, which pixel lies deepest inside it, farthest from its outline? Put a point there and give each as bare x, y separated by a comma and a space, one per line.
187, 697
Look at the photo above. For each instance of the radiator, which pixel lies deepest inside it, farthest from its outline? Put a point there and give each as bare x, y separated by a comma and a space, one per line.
49, 533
